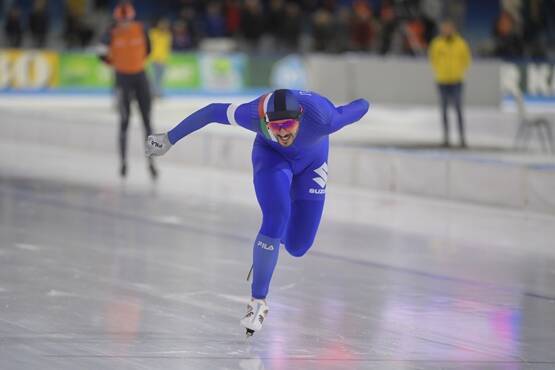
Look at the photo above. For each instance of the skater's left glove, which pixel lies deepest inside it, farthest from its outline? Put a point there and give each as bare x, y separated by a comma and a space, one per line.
157, 144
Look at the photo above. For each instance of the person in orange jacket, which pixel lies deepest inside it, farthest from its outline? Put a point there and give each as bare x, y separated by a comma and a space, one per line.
126, 47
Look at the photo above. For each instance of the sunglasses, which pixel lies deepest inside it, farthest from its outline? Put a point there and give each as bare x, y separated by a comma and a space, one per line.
286, 124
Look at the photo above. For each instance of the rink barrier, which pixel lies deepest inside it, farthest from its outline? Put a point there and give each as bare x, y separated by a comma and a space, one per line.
397, 80
452, 176
476, 178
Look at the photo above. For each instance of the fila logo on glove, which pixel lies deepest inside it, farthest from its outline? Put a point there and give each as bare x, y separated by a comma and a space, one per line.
154, 143
265, 246
321, 179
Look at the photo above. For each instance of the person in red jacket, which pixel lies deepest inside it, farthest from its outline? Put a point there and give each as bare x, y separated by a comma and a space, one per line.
126, 47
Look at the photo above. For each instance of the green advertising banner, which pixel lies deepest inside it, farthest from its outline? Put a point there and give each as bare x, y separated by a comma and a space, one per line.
182, 72
83, 70
87, 71
222, 72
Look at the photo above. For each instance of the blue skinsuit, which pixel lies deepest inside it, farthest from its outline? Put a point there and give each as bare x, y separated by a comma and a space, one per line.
290, 182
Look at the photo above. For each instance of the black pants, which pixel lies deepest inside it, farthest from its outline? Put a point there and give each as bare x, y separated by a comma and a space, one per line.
129, 86
452, 94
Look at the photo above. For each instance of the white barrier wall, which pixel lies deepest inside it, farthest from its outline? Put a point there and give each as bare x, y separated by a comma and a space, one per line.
396, 80
433, 174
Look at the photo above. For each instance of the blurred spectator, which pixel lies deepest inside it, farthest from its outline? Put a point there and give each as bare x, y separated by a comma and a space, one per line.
309, 6
77, 33
291, 26
450, 58
232, 16
508, 43
362, 31
275, 16
13, 27
101, 4
76, 7
191, 20
430, 29
323, 30
252, 23
549, 22
342, 39
388, 18
161, 43
415, 42
534, 23
181, 40
214, 21
329, 5
39, 23
524, 28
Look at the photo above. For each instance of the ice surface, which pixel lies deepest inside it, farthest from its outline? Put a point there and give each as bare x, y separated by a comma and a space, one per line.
100, 274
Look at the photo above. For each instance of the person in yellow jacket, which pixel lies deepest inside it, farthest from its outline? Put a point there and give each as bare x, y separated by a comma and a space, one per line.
161, 42
450, 58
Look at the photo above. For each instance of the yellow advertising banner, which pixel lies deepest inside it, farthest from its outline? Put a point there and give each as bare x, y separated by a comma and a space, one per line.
28, 69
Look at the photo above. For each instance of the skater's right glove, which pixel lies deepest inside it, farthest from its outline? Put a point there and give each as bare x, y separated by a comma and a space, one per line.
157, 144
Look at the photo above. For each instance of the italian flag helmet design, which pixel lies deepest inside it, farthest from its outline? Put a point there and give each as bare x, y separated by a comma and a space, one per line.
262, 109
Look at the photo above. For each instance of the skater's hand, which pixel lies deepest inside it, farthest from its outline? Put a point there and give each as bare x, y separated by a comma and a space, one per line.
157, 144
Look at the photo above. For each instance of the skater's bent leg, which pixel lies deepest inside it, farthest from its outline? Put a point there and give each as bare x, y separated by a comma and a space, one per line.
272, 191
264, 256
303, 225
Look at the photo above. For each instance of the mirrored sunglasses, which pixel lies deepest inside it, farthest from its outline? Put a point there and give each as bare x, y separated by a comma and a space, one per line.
287, 124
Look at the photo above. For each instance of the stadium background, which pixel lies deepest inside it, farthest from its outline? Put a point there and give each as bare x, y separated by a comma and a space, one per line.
222, 54
427, 257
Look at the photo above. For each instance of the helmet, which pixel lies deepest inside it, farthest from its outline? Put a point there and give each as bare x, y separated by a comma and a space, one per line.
124, 12
283, 104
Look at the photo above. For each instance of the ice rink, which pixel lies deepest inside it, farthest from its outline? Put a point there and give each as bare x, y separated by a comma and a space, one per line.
96, 273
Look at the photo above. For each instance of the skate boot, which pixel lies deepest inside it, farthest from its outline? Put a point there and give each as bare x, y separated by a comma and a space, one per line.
257, 309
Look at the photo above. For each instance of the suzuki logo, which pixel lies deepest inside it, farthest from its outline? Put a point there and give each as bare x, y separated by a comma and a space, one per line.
322, 173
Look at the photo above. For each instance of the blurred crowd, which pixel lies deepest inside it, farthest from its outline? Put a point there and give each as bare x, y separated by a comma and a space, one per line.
524, 29
32, 21
403, 27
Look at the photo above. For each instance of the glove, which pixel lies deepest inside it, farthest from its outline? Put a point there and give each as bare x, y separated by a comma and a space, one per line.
157, 144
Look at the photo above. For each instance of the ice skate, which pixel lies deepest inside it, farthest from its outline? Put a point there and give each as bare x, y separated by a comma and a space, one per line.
257, 309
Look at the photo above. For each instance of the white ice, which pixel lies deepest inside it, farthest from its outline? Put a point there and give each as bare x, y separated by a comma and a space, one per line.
96, 273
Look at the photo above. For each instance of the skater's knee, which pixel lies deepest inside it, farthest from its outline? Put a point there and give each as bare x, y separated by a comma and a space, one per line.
274, 220
274, 224
298, 243
298, 248
298, 252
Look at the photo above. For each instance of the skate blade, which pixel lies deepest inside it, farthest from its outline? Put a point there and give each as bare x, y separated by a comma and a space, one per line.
249, 333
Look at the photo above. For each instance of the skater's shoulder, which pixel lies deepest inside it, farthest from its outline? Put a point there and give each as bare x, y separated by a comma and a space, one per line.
316, 107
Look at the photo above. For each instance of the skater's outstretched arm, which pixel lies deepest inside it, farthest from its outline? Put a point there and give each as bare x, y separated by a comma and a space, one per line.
227, 114
346, 114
